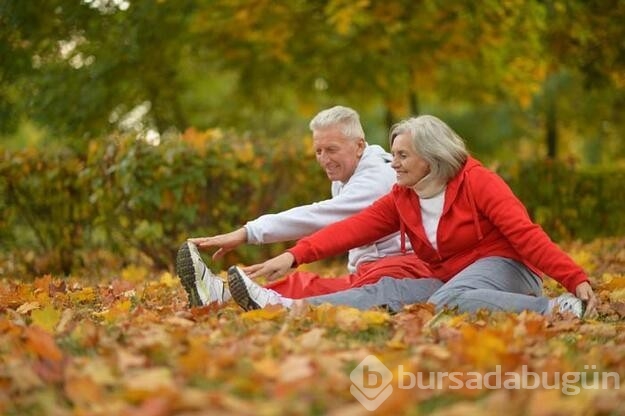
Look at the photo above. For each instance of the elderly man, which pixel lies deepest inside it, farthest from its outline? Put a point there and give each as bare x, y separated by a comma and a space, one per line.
360, 173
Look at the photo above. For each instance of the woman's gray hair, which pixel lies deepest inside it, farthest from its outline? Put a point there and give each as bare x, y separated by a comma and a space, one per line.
345, 118
438, 145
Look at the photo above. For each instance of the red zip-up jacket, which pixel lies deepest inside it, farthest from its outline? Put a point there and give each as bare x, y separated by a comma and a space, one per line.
481, 218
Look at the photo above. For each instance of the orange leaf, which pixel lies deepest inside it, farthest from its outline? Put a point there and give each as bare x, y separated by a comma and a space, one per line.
42, 343
83, 391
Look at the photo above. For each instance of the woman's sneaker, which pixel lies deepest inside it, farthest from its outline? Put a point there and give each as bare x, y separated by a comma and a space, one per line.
201, 285
568, 303
248, 294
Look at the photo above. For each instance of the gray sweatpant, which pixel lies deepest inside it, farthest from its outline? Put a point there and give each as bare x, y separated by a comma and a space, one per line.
390, 292
494, 283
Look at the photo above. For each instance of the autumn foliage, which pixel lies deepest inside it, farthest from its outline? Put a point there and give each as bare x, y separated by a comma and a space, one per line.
128, 345
128, 201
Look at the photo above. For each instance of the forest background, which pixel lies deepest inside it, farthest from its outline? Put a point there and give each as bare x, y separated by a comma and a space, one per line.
128, 126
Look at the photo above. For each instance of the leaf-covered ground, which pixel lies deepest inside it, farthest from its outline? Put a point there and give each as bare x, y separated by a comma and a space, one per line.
130, 346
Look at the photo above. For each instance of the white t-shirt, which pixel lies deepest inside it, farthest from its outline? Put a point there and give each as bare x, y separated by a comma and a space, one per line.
431, 211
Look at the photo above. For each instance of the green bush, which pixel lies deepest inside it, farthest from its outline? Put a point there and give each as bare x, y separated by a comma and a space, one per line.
61, 210
571, 202
132, 198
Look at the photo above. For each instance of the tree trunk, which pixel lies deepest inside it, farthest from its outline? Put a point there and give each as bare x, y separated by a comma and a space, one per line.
413, 100
551, 127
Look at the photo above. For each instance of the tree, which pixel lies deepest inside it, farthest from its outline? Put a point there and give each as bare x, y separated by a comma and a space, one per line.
86, 68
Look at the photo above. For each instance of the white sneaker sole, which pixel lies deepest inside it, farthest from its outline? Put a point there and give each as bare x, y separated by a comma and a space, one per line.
185, 269
238, 289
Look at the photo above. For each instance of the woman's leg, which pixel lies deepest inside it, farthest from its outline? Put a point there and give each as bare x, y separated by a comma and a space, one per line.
301, 284
391, 292
494, 283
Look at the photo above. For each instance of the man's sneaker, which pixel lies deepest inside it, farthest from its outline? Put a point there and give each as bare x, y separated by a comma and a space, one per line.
568, 303
248, 294
201, 285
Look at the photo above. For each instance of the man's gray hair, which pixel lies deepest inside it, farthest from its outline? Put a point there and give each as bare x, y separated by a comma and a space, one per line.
437, 144
345, 118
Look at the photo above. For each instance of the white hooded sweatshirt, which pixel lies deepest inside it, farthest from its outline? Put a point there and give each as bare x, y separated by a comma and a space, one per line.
372, 178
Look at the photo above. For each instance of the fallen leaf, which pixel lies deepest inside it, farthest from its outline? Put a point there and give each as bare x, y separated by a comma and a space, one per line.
152, 406
64, 322
27, 307
168, 280
311, 340
83, 391
84, 295
268, 313
23, 378
268, 368
127, 360
296, 368
42, 343
47, 318
141, 384
134, 274
619, 308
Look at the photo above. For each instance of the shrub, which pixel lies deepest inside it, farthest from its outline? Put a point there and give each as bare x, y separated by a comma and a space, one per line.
133, 198
129, 200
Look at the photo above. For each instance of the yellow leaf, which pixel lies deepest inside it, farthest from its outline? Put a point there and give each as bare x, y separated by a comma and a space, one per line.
375, 317
86, 294
168, 280
350, 319
325, 314
269, 313
617, 295
119, 308
483, 348
195, 359
134, 273
585, 260
611, 281
47, 318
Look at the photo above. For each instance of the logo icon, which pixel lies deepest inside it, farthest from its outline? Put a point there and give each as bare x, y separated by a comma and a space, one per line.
371, 382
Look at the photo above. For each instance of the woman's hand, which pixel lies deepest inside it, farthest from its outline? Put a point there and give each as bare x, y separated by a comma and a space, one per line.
585, 293
273, 268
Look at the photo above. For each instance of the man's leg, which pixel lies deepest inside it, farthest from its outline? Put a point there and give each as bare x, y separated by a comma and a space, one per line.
494, 283
300, 285
391, 292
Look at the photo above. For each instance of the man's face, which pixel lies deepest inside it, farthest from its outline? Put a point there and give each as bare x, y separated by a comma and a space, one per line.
337, 154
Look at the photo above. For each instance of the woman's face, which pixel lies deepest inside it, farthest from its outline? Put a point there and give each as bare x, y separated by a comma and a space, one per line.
409, 166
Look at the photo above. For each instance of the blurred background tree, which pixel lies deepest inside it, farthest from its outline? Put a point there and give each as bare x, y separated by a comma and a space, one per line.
515, 77
227, 87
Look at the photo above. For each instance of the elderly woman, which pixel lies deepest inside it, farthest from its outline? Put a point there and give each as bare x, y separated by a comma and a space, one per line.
462, 220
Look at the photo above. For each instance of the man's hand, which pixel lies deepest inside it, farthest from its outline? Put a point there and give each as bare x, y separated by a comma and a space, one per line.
585, 293
225, 242
273, 268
